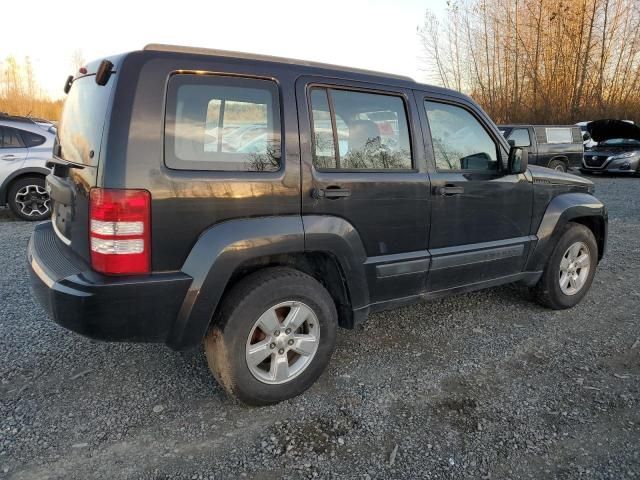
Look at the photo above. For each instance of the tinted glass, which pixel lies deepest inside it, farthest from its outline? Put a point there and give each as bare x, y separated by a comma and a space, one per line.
31, 139
222, 123
460, 142
520, 136
9, 138
559, 135
82, 121
371, 130
324, 152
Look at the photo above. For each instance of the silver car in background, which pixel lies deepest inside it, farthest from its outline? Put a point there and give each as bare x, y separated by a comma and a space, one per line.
26, 144
618, 148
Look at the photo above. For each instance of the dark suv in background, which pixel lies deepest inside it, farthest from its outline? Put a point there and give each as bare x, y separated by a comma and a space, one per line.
559, 147
254, 204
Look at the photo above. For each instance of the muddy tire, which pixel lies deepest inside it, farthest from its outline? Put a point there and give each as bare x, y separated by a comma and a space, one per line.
570, 269
272, 336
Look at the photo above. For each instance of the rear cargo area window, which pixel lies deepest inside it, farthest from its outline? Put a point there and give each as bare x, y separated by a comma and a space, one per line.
222, 123
31, 139
83, 120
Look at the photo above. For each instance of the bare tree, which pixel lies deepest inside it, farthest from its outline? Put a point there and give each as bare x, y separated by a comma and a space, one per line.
77, 60
540, 60
20, 93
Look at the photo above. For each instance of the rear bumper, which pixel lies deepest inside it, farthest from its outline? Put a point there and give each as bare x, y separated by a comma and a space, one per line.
133, 308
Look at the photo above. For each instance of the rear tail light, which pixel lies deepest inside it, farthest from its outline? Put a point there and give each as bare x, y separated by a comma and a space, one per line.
120, 231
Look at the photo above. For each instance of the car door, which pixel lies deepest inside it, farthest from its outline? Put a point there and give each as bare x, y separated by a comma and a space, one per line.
363, 170
480, 213
12, 151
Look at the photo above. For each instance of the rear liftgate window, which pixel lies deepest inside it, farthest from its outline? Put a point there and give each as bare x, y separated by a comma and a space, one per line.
222, 123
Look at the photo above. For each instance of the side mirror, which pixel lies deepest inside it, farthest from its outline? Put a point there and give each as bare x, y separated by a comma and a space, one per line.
518, 160
586, 137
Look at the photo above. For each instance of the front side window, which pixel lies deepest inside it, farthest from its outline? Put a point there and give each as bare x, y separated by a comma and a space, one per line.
222, 123
359, 131
520, 137
9, 138
559, 135
460, 142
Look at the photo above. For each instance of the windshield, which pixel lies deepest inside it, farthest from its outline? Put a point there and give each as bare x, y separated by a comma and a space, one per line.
616, 142
82, 122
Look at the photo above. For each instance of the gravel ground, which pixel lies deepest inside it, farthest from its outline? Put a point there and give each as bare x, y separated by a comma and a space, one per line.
484, 385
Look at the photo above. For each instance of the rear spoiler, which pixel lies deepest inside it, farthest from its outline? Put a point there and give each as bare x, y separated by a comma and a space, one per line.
103, 74
61, 167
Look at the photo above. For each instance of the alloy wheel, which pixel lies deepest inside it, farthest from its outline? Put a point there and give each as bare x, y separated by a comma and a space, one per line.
33, 201
282, 342
574, 268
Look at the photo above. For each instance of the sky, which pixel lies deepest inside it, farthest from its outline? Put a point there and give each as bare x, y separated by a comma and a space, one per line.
372, 34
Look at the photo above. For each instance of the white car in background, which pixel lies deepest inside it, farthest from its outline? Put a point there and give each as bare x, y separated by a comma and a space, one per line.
26, 144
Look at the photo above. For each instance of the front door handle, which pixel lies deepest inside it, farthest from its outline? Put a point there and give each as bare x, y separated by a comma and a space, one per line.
449, 190
331, 192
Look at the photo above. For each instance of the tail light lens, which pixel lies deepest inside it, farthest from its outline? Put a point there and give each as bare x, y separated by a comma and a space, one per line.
120, 231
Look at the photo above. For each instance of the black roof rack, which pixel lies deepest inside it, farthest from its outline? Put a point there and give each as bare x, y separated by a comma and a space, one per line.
267, 58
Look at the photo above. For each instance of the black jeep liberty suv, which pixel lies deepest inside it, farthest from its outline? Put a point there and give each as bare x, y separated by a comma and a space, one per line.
254, 204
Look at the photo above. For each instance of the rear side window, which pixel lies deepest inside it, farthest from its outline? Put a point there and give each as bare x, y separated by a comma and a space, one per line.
31, 139
559, 135
9, 138
359, 131
222, 123
460, 142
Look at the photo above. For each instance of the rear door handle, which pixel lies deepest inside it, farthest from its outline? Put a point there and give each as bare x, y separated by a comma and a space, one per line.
8, 157
449, 190
330, 192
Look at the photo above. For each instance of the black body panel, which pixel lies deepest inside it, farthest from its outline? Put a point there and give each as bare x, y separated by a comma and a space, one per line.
140, 309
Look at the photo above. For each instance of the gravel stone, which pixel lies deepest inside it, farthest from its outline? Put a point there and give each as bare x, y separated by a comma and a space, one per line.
499, 385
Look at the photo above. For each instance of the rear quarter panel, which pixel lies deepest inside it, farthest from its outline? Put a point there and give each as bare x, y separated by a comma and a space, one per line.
185, 203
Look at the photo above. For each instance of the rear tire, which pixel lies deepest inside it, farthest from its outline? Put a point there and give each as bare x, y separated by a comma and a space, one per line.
274, 313
28, 199
568, 274
558, 165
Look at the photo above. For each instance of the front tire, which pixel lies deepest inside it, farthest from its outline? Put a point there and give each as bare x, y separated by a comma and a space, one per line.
28, 199
570, 269
272, 337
